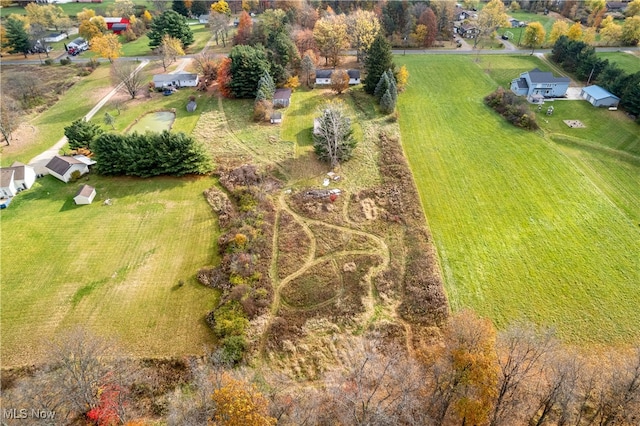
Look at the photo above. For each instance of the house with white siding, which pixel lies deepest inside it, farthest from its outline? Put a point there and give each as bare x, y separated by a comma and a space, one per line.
62, 167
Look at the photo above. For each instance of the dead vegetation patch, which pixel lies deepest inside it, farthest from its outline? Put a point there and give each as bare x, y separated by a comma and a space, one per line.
293, 245
331, 240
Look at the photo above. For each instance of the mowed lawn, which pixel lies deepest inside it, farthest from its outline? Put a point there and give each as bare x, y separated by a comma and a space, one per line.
522, 231
125, 270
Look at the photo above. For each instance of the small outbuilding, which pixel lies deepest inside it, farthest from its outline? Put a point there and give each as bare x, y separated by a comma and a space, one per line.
55, 37
276, 117
599, 97
191, 106
85, 195
282, 98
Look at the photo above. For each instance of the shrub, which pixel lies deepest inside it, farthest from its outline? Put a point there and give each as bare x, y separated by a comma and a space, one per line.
75, 175
512, 108
233, 348
65, 61
48, 61
230, 320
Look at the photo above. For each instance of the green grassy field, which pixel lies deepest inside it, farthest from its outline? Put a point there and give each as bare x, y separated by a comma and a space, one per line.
140, 47
70, 9
627, 61
114, 269
525, 228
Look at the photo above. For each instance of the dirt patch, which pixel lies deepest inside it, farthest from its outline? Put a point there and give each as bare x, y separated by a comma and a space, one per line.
25, 136
369, 209
575, 124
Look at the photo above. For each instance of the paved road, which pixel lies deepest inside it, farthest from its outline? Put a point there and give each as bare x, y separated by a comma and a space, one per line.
40, 161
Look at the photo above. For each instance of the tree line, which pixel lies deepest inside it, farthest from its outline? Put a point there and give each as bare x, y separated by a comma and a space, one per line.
474, 375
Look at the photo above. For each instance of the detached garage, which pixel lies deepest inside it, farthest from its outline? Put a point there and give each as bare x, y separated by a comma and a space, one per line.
599, 97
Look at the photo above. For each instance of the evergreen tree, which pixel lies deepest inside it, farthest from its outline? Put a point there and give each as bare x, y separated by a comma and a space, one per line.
248, 65
393, 86
17, 37
199, 7
174, 25
266, 88
180, 7
378, 60
387, 103
333, 139
81, 133
381, 87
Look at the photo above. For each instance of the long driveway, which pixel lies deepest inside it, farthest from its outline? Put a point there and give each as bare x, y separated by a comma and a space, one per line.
40, 161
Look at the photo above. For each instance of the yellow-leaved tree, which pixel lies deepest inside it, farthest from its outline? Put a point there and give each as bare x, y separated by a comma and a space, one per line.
169, 50
221, 6
362, 28
575, 32
534, 35
330, 34
239, 403
403, 77
492, 16
558, 29
107, 46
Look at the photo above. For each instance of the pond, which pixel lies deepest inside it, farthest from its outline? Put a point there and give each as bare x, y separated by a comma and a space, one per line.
154, 122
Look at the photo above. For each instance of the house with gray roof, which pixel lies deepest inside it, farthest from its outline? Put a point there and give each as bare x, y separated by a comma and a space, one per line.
62, 167
599, 97
282, 98
161, 81
540, 83
323, 76
22, 177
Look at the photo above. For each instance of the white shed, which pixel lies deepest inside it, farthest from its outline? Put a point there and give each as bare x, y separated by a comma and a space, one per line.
85, 195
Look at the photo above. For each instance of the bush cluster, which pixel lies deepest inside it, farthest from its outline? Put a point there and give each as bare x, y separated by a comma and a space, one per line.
150, 154
243, 272
513, 108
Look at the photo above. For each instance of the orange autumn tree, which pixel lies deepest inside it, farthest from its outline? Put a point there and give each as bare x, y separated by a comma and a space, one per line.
224, 78
239, 403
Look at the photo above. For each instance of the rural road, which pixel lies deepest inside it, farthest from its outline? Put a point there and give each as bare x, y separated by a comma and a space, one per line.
40, 161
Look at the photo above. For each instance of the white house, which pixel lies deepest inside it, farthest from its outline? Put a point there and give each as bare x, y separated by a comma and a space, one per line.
78, 44
599, 97
160, 81
323, 77
536, 82
354, 77
62, 167
203, 19
52, 38
85, 195
23, 177
8, 186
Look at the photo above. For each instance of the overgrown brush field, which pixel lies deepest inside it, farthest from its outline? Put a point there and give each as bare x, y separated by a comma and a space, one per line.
526, 227
125, 270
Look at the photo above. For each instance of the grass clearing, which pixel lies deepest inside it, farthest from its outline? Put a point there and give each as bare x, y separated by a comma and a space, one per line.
630, 62
521, 231
73, 104
70, 9
115, 269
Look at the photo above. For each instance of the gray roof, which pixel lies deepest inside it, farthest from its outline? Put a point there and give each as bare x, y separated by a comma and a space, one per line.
19, 169
282, 94
323, 73
60, 165
163, 78
85, 191
191, 106
353, 73
6, 176
522, 83
78, 41
537, 76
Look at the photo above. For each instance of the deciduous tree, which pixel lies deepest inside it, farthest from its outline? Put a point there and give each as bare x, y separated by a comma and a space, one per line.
125, 73
492, 16
107, 46
339, 81
221, 6
633, 8
575, 32
224, 78
10, 117
631, 31
331, 38
403, 78
180, 7
94, 27
362, 28
333, 139
245, 29
559, 28
239, 403
308, 65
219, 24
534, 35
169, 50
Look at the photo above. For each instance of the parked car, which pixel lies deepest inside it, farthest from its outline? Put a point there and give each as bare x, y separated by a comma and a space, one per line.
505, 37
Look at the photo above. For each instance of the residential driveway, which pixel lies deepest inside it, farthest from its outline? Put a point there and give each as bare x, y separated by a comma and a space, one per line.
40, 161
573, 93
